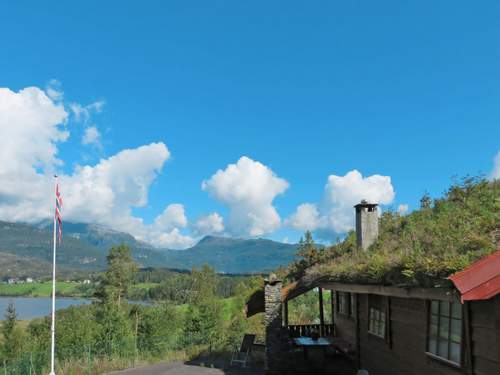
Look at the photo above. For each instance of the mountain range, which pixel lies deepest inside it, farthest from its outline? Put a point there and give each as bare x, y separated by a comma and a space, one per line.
26, 247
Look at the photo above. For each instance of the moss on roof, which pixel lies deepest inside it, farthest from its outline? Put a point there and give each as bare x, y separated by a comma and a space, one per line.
423, 248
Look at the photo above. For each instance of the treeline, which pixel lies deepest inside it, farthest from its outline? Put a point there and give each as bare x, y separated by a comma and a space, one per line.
176, 286
114, 333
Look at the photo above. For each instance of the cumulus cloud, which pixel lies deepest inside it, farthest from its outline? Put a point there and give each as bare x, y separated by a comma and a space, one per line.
306, 217
174, 240
91, 136
335, 213
248, 188
208, 224
495, 173
33, 124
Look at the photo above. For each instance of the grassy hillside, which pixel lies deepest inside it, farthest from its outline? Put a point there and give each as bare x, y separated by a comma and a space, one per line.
43, 289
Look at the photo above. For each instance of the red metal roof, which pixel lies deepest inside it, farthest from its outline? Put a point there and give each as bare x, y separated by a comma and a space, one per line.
481, 280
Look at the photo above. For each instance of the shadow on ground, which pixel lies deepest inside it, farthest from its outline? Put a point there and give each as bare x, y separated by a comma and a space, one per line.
291, 363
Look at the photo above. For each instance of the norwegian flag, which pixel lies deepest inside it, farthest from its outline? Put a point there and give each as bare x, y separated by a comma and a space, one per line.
58, 212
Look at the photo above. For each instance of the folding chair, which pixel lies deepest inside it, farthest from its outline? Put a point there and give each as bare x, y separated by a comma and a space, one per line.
241, 355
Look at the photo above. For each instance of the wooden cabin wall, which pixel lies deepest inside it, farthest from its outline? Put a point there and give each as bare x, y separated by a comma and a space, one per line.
485, 335
345, 326
403, 351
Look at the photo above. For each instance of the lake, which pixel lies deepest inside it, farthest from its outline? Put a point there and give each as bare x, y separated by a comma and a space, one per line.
31, 307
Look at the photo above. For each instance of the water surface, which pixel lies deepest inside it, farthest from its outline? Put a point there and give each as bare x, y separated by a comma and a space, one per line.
35, 307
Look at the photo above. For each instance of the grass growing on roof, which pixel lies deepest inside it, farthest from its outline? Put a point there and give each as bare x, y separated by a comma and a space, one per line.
424, 247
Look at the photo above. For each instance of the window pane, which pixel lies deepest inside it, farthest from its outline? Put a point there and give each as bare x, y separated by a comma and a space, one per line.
435, 307
443, 349
432, 345
456, 310
444, 328
433, 326
456, 330
445, 308
455, 352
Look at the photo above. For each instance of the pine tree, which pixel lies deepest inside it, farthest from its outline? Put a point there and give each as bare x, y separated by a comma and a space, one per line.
13, 337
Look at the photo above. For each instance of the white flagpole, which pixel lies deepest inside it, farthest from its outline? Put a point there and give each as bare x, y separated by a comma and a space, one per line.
53, 327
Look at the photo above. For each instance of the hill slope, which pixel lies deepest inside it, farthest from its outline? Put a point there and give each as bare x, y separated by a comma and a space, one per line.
85, 246
232, 255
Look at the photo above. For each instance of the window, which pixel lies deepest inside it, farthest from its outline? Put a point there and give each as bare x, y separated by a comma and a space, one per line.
445, 330
343, 303
376, 325
377, 316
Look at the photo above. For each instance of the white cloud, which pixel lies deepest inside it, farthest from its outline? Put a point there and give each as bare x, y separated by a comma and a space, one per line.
83, 113
32, 125
172, 217
248, 188
91, 136
174, 240
335, 213
306, 217
208, 224
403, 209
54, 90
495, 173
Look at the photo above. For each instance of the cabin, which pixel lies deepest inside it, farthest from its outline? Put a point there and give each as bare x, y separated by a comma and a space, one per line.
447, 329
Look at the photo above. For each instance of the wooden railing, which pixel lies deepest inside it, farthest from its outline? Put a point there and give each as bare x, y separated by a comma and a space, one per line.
307, 329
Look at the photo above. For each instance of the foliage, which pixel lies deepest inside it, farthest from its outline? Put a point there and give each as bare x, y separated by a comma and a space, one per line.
13, 337
309, 254
203, 324
116, 280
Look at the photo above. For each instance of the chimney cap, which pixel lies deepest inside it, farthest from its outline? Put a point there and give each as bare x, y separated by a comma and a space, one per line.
364, 203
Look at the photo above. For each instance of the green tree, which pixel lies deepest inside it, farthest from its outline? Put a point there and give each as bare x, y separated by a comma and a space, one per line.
13, 336
118, 276
310, 254
203, 323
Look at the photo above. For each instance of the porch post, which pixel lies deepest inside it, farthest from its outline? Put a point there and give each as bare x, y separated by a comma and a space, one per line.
285, 313
332, 303
321, 312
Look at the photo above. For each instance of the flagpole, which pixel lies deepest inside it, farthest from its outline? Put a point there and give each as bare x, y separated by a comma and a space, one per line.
53, 326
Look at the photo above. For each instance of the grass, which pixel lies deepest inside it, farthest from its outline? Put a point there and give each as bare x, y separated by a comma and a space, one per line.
41, 289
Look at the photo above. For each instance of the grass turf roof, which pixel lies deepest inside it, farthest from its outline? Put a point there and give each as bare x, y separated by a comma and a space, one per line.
426, 246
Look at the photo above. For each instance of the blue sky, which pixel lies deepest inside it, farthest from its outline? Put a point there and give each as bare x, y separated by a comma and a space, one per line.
408, 90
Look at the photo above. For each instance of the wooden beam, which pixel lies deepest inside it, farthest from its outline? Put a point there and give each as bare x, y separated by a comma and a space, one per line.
442, 294
321, 311
285, 313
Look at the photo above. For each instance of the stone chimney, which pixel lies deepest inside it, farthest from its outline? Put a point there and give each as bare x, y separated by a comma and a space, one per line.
366, 224
273, 323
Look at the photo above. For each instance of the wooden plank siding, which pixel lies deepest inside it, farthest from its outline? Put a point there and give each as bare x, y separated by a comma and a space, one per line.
484, 333
345, 326
404, 353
